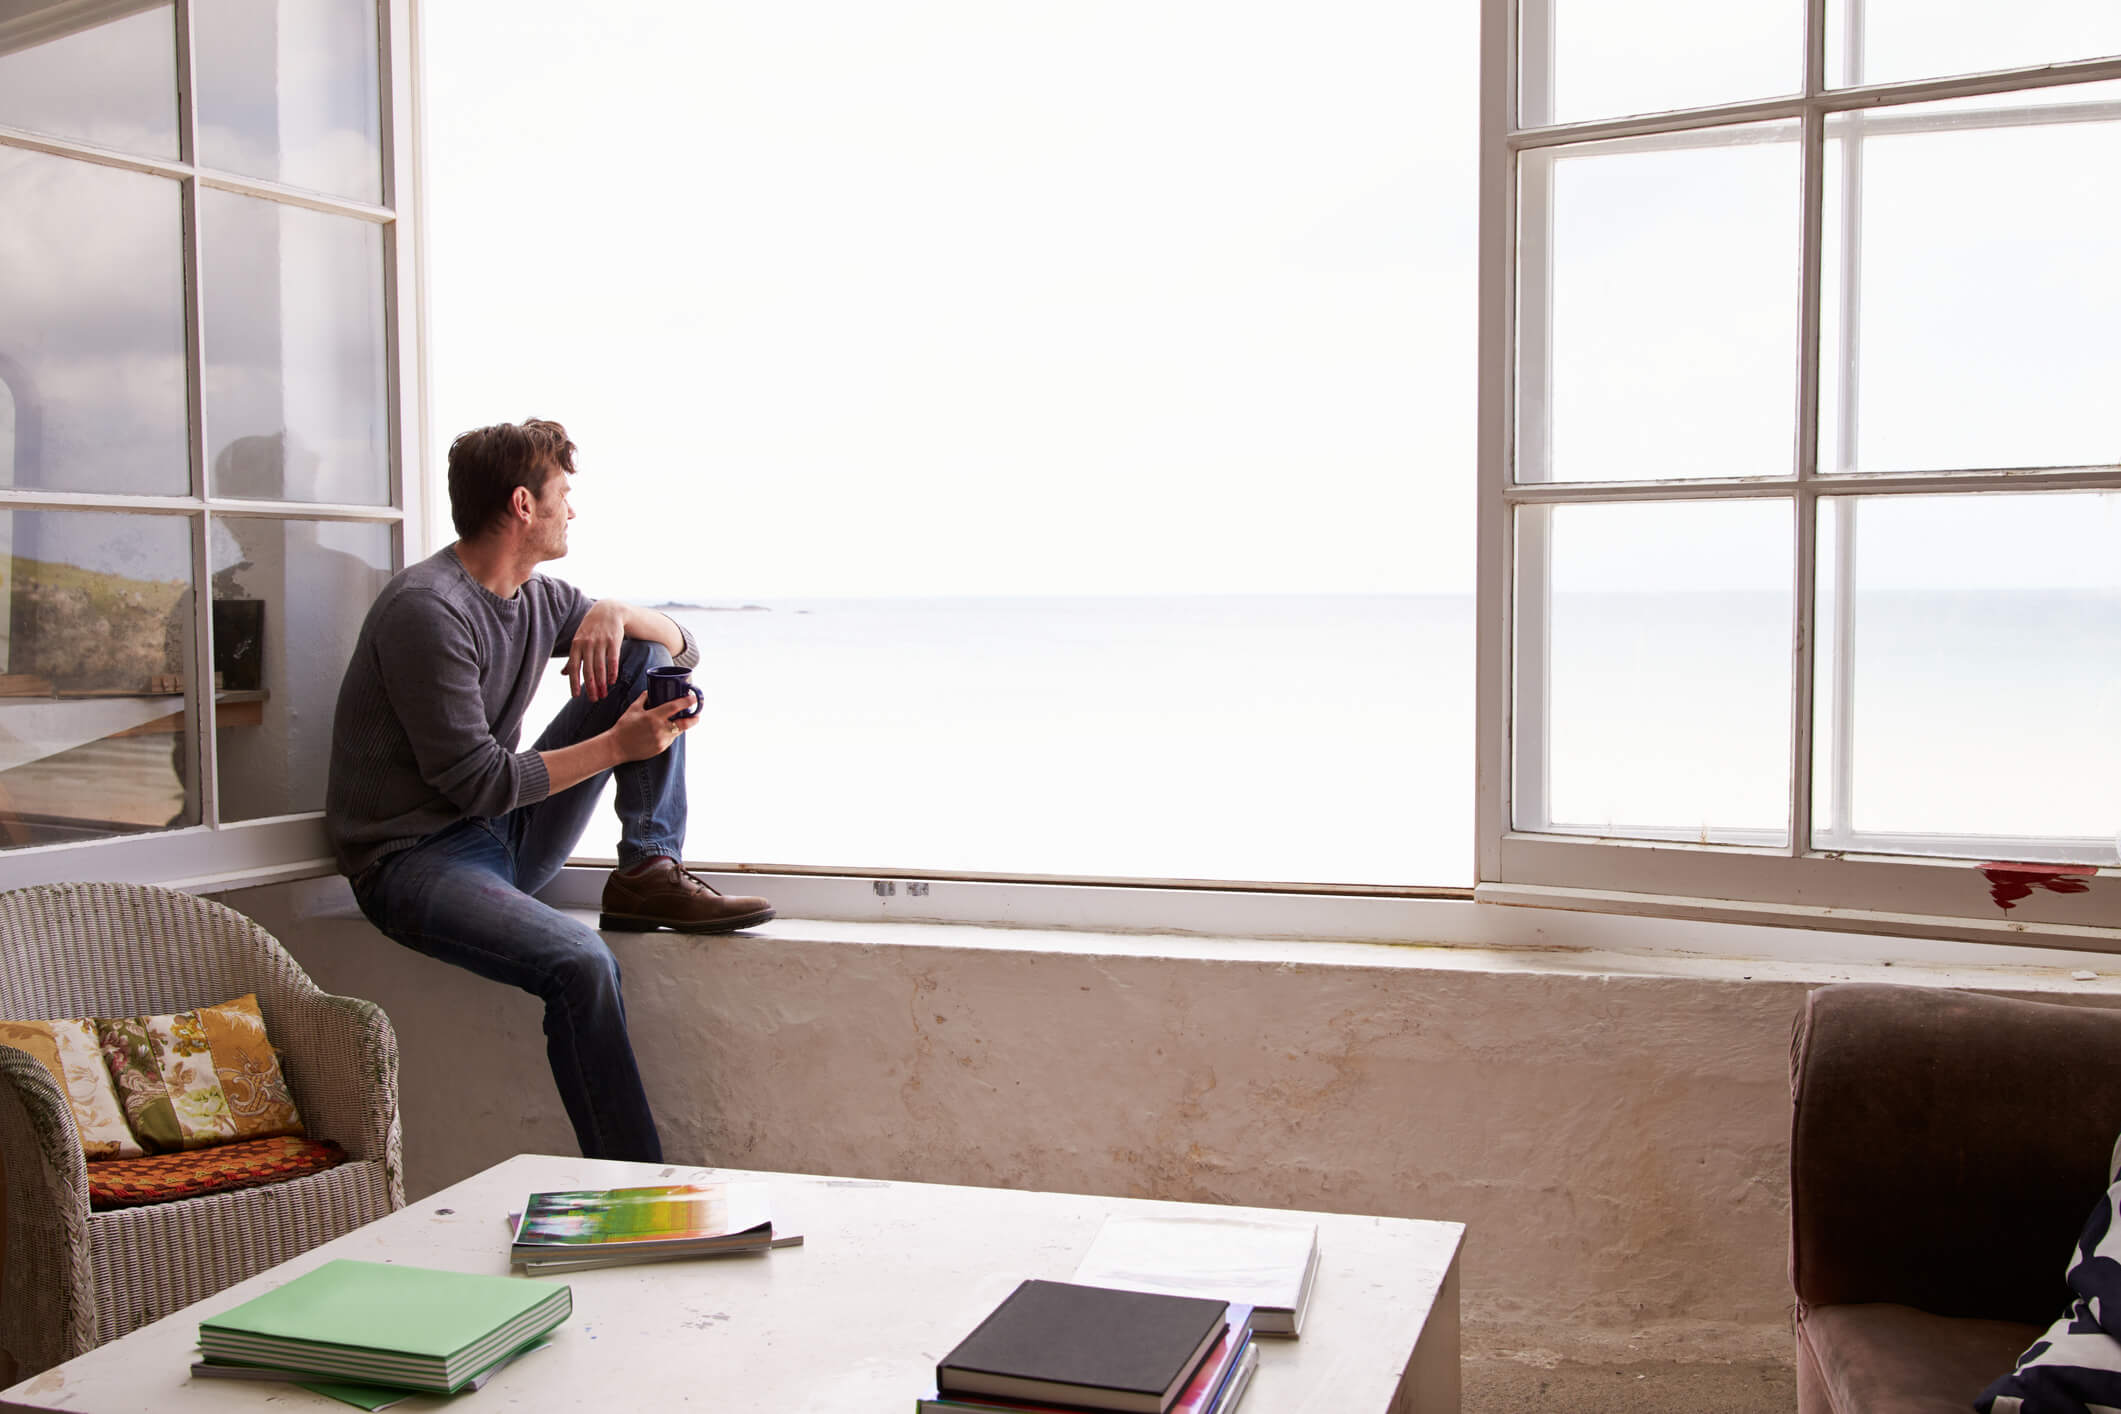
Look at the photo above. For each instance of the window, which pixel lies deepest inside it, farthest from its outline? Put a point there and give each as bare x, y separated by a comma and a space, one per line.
202, 386
1801, 514
1054, 421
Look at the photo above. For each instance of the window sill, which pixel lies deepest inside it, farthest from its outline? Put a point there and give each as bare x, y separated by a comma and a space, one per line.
1437, 935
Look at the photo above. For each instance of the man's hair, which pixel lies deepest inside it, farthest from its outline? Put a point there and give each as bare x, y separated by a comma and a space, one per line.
486, 465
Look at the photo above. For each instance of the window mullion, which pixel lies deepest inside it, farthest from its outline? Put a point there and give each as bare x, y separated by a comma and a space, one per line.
1494, 728
187, 109
1842, 800
198, 687
1803, 637
1530, 648
403, 318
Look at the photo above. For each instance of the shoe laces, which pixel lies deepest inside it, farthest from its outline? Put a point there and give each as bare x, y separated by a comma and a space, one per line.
693, 882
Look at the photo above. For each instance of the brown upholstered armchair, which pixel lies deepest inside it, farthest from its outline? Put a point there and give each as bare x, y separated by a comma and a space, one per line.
1946, 1149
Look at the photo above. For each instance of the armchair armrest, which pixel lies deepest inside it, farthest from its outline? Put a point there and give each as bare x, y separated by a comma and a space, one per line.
1946, 1147
340, 1056
47, 1307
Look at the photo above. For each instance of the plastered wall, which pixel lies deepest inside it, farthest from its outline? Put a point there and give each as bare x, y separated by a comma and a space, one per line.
1615, 1140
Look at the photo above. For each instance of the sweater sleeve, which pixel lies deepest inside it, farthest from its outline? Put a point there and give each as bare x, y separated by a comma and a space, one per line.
431, 674
569, 605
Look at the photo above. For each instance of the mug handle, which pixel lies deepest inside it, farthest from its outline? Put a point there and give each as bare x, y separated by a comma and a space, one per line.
699, 705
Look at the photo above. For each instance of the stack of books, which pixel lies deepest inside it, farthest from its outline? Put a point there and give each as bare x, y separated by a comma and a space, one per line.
1270, 1267
382, 1325
602, 1227
1057, 1346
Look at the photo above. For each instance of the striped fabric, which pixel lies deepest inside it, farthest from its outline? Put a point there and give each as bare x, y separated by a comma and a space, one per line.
192, 1173
2075, 1366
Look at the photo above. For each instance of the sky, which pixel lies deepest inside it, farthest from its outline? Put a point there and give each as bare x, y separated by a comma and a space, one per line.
954, 297
963, 298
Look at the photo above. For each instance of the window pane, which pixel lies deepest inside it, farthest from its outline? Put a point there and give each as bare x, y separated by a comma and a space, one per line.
1653, 670
95, 729
1968, 651
92, 335
1886, 41
112, 84
1586, 59
1104, 469
1971, 290
295, 402
1657, 308
289, 597
288, 92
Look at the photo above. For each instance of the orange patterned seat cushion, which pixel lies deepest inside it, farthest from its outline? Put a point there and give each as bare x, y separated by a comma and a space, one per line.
189, 1173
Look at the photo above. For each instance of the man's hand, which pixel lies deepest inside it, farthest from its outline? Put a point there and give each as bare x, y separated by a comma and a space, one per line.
593, 657
646, 731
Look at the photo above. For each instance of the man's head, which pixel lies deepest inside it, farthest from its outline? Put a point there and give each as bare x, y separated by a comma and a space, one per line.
512, 473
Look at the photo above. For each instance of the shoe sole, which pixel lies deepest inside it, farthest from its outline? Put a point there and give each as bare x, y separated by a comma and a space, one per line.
636, 923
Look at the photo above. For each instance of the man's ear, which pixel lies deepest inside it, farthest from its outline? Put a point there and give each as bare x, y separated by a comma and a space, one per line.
522, 504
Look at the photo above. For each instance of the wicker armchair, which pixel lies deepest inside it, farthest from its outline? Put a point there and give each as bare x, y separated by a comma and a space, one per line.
70, 1278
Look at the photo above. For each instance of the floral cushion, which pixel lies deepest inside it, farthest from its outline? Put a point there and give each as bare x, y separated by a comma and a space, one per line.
158, 1178
69, 1050
195, 1078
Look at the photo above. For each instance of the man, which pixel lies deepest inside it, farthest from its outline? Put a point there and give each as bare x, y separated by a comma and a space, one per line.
446, 829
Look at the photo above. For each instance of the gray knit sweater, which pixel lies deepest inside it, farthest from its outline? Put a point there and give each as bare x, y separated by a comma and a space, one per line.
432, 706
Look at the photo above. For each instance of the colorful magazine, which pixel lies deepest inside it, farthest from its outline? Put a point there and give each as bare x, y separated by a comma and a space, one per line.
677, 1218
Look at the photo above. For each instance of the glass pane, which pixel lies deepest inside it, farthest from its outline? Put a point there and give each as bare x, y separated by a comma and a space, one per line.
113, 84
1968, 675
1970, 287
294, 353
1586, 59
288, 92
1129, 439
1886, 41
1653, 670
95, 729
289, 597
92, 334
1657, 308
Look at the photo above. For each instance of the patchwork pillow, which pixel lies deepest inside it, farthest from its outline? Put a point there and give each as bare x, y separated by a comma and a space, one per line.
194, 1078
69, 1050
2075, 1366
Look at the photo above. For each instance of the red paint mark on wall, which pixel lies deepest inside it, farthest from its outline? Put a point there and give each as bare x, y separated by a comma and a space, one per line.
2007, 883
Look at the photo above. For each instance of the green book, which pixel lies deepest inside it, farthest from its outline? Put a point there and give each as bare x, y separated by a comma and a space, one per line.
382, 1323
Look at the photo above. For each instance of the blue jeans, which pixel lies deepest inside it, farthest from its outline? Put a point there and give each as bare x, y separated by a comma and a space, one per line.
463, 895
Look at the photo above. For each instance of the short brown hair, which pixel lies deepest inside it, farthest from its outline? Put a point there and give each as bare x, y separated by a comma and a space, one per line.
486, 465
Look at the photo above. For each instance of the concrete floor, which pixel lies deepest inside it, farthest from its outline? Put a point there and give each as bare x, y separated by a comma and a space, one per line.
1493, 1385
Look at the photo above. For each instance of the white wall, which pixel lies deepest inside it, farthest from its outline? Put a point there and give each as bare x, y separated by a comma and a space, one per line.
1611, 1128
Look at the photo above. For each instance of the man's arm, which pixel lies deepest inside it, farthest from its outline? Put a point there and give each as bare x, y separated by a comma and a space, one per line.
641, 732
593, 655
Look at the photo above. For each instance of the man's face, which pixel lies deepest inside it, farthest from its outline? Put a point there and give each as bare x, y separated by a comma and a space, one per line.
549, 516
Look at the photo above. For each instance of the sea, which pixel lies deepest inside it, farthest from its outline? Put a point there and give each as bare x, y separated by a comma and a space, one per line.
1330, 738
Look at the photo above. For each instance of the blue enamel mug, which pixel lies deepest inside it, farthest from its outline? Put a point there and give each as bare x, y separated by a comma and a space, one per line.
669, 684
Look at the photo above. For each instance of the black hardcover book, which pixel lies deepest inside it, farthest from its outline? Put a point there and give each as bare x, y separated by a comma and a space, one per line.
1129, 1351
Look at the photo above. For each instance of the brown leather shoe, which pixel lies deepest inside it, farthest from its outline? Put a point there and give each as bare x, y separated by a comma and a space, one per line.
658, 893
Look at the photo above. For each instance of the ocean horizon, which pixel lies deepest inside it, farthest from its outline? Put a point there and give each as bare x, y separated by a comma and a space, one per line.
1329, 738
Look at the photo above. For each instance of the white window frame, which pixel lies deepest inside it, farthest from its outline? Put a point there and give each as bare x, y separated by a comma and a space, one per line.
217, 853
1792, 883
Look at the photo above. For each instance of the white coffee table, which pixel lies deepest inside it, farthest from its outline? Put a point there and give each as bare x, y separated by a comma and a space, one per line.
889, 1277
